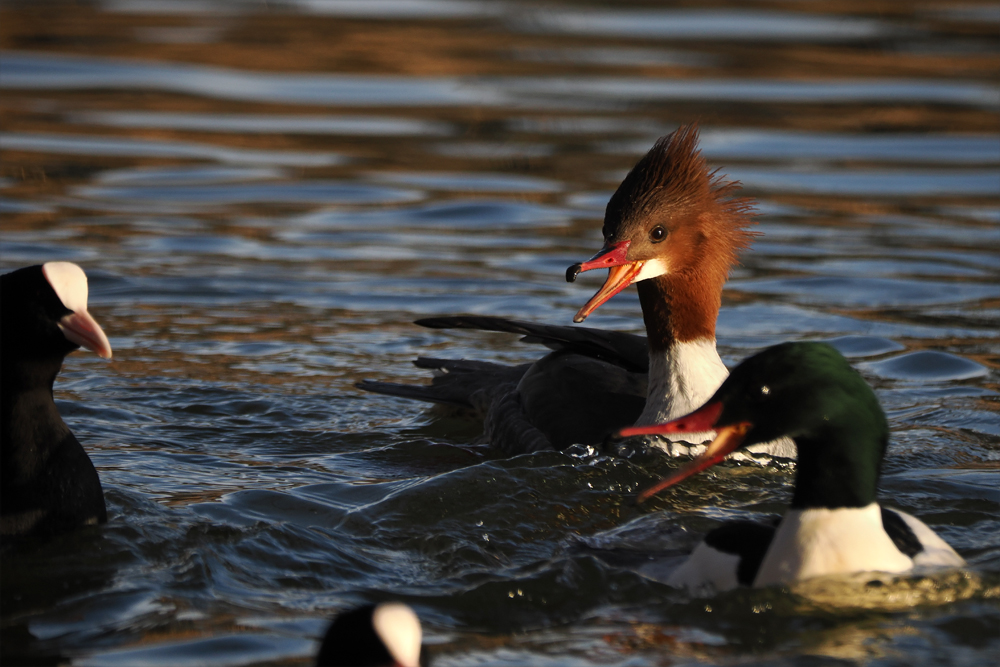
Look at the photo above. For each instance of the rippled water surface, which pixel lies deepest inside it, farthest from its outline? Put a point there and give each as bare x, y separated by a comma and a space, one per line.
266, 194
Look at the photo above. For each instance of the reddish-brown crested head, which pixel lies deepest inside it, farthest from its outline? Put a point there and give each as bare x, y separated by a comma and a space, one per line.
676, 229
671, 188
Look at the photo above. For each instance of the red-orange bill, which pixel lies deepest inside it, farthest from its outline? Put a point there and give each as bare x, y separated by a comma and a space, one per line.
619, 277
699, 421
726, 441
608, 256
621, 274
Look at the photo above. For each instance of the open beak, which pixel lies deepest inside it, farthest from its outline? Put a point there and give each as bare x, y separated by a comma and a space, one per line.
82, 329
621, 274
727, 440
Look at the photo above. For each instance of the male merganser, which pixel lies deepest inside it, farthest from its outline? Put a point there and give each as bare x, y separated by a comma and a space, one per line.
806, 391
385, 635
49, 483
674, 228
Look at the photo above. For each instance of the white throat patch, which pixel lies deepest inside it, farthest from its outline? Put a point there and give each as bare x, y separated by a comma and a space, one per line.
652, 268
69, 282
399, 629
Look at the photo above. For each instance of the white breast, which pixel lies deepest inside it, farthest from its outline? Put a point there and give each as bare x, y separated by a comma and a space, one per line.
937, 552
706, 571
818, 542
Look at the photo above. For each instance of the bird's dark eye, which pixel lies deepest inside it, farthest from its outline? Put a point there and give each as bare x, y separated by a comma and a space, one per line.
657, 234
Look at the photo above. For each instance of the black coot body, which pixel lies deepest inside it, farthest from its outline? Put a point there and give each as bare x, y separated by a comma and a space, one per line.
49, 484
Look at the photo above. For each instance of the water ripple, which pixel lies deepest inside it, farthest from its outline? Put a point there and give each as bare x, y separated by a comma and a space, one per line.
810, 147
78, 144
928, 366
27, 71
715, 24
269, 123
264, 196
313, 192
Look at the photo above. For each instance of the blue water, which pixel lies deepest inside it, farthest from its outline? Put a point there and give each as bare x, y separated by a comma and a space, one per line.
265, 195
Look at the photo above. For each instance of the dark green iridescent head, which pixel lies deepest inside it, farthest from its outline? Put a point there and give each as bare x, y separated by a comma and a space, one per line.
808, 391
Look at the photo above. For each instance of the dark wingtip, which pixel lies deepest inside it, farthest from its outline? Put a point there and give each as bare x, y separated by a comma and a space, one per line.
433, 322
572, 272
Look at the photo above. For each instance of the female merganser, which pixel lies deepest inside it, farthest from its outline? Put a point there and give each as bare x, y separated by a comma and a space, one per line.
385, 635
49, 483
674, 228
806, 391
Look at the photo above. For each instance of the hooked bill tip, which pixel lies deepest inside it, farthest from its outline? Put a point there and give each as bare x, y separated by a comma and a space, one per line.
572, 272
